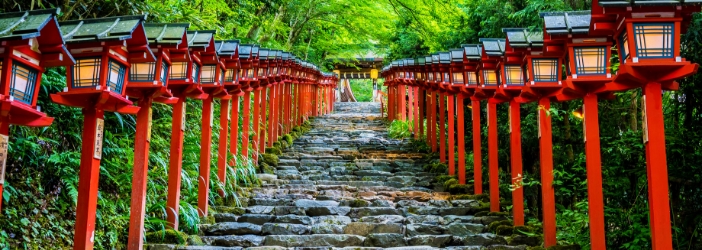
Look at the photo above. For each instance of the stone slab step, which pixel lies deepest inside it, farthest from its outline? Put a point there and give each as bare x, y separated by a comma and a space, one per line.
318, 240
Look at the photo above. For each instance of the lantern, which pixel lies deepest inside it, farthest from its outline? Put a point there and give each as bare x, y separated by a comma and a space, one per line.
456, 70
104, 49
471, 63
34, 43
444, 69
228, 52
493, 50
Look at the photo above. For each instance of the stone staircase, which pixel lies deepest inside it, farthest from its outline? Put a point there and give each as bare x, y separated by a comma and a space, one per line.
345, 184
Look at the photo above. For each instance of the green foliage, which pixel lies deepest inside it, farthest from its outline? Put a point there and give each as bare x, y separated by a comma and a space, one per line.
362, 89
275, 151
400, 129
270, 159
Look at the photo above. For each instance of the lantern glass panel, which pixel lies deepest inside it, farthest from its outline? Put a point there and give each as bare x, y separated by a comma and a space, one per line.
261, 72
545, 70
142, 72
431, 76
209, 72
24, 80
514, 75
490, 77
196, 73
179, 71
472, 78
164, 72
221, 76
446, 77
590, 60
623, 47
250, 73
458, 78
86, 73
115, 77
229, 75
654, 40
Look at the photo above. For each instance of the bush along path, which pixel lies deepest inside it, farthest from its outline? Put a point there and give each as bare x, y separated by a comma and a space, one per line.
346, 184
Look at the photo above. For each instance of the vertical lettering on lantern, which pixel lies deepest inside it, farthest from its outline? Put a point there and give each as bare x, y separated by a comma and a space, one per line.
4, 140
99, 134
148, 129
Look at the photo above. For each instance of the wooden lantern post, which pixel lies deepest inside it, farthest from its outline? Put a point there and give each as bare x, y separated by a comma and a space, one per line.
648, 42
419, 96
104, 49
33, 45
401, 91
212, 81
588, 72
409, 85
455, 110
442, 69
228, 52
260, 103
184, 82
544, 81
247, 76
287, 92
148, 82
491, 59
431, 103
472, 53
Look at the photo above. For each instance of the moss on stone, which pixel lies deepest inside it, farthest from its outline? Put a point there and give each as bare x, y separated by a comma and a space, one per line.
494, 225
270, 159
168, 236
267, 169
358, 203
194, 240
288, 138
525, 230
498, 214
207, 220
277, 144
504, 230
274, 150
436, 167
476, 197
444, 177
536, 248
570, 247
481, 214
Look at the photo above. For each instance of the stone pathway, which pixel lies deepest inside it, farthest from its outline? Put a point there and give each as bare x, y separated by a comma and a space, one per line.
345, 184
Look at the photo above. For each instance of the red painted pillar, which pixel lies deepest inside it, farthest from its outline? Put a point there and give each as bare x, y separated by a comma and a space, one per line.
421, 96
89, 174
256, 124
461, 140
477, 157
430, 139
264, 119
175, 165
390, 103
657, 168
546, 159
594, 172
272, 115
203, 183
442, 127
492, 157
417, 119
432, 111
222, 148
515, 139
246, 125
142, 139
410, 99
234, 132
401, 94
451, 134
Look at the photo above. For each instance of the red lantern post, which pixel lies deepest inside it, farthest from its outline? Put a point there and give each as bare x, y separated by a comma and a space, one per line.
455, 110
247, 76
472, 53
148, 82
228, 52
104, 49
34, 44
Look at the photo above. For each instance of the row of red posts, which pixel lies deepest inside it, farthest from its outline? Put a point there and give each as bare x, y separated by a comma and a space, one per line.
526, 66
112, 62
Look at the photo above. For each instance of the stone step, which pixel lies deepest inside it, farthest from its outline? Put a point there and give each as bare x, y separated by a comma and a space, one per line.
317, 240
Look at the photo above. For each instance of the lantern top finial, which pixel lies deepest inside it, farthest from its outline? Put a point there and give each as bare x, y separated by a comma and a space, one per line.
494, 46
472, 51
165, 33
568, 22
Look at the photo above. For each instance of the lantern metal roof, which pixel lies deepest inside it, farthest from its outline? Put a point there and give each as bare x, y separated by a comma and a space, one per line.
568, 22
227, 47
472, 51
435, 58
278, 54
523, 38
254, 51
263, 54
494, 46
100, 29
165, 33
456, 55
420, 60
410, 62
427, 60
40, 24
286, 55
245, 51
444, 57
200, 38
25, 24
611, 3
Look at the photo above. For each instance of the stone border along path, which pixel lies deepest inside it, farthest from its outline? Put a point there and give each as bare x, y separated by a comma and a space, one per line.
346, 185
